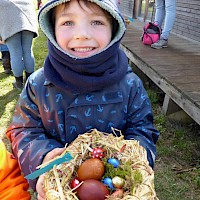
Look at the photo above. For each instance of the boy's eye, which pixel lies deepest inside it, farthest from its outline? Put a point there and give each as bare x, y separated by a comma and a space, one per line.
97, 23
69, 23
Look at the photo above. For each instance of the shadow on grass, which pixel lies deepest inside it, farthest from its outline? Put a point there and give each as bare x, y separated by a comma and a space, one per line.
3, 75
8, 97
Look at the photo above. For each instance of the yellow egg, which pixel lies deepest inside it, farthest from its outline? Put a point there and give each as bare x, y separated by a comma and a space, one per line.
118, 182
92, 168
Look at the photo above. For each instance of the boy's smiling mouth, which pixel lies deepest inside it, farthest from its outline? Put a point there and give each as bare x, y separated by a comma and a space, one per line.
83, 49
83, 52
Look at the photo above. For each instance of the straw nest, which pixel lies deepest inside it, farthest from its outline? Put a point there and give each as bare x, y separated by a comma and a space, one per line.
139, 183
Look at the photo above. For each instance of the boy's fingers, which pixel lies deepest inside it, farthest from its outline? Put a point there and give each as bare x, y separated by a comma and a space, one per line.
40, 188
40, 183
52, 154
39, 197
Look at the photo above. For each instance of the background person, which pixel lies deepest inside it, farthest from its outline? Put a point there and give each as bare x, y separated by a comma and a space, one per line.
18, 27
165, 11
5, 57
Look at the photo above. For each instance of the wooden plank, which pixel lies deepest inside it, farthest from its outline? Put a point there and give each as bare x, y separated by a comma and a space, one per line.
176, 68
194, 95
180, 72
188, 87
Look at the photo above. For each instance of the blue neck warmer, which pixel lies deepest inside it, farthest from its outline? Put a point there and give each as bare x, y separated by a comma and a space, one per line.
86, 74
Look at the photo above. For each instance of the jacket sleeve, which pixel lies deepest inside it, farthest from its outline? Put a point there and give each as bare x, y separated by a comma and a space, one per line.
13, 185
140, 121
30, 141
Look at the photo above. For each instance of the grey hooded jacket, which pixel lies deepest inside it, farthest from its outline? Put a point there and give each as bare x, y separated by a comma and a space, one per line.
16, 16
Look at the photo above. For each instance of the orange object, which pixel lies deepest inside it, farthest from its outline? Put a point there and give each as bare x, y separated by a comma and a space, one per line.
92, 168
13, 185
127, 21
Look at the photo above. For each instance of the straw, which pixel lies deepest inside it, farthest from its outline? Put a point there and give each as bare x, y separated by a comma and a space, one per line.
58, 180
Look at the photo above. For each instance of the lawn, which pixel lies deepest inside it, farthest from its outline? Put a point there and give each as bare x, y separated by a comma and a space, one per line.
177, 168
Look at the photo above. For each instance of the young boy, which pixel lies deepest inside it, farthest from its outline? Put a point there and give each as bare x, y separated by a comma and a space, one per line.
85, 83
13, 185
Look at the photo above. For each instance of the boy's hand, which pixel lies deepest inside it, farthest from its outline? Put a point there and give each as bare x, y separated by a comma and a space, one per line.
40, 188
40, 183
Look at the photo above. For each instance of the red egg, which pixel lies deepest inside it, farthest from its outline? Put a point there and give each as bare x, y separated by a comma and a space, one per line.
92, 168
92, 189
75, 182
98, 153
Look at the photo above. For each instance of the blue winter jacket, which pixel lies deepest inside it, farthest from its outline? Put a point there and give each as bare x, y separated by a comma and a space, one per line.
53, 117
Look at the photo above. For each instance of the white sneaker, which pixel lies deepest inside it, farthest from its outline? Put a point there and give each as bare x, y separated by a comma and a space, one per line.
161, 43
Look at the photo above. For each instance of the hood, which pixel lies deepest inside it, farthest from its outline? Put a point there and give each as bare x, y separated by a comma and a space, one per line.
110, 6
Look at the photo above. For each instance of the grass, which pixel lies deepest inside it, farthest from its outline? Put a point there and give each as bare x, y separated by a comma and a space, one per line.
177, 168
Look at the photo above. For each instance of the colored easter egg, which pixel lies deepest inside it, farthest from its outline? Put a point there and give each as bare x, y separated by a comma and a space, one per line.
98, 153
92, 189
114, 162
108, 181
118, 182
118, 193
92, 168
75, 182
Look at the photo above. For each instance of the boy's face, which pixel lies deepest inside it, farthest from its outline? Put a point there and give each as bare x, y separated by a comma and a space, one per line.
82, 30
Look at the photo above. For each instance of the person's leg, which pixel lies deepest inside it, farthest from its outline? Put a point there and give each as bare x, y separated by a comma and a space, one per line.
170, 9
27, 53
5, 58
160, 12
15, 48
6, 61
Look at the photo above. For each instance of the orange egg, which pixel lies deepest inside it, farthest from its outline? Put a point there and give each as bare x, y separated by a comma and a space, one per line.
92, 189
92, 168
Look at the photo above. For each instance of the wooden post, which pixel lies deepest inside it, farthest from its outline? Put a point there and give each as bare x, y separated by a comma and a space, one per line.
174, 112
169, 106
136, 9
146, 10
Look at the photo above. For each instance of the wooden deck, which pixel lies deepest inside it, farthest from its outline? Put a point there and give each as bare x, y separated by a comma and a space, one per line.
175, 70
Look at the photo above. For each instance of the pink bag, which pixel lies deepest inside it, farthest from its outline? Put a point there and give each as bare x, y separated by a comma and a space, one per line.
151, 33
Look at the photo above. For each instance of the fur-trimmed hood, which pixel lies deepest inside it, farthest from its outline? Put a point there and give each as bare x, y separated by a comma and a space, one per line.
110, 6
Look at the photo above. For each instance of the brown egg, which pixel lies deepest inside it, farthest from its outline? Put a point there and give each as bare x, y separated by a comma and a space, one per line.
92, 189
92, 168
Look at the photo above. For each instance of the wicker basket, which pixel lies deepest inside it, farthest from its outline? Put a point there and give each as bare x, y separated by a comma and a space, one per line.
58, 180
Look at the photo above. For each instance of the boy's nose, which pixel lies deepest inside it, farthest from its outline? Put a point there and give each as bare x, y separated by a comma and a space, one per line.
83, 33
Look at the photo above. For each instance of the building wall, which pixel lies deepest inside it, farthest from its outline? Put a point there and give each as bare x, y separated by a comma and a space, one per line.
187, 21
126, 7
